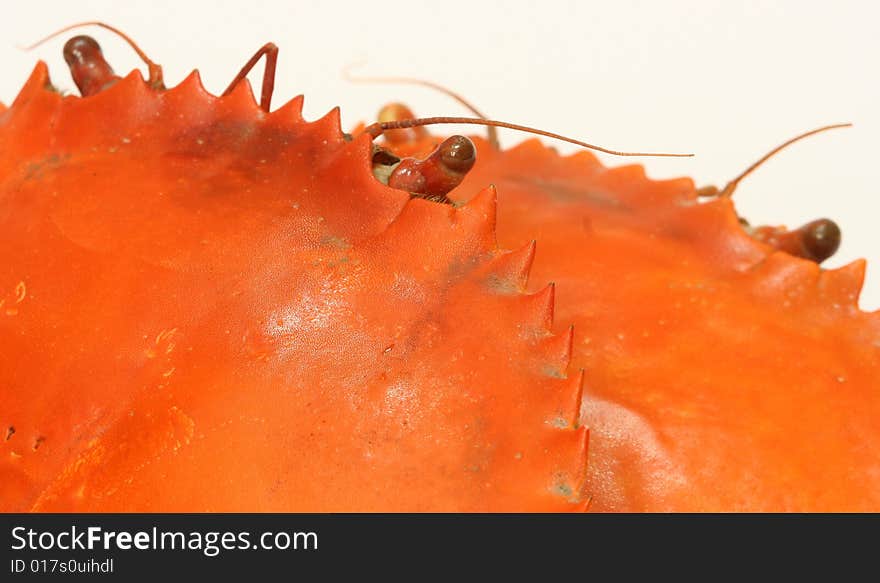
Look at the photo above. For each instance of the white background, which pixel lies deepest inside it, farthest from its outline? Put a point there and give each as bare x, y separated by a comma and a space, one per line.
726, 80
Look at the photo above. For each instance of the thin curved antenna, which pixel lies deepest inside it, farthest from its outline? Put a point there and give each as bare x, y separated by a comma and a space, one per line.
377, 129
731, 186
348, 76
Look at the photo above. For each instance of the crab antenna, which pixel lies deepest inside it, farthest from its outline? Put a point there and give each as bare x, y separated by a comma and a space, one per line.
347, 74
155, 71
271, 52
731, 186
377, 129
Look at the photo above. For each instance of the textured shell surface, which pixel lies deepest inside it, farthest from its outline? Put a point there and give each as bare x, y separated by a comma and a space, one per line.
209, 307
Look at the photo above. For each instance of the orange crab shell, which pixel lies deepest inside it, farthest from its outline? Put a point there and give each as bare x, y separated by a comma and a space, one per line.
721, 374
222, 310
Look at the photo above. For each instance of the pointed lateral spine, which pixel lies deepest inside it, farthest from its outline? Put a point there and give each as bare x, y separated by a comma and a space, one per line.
477, 217
328, 127
779, 275
241, 98
541, 306
567, 413
578, 400
289, 113
191, 85
556, 353
582, 437
36, 83
569, 475
190, 99
578, 474
509, 272
844, 284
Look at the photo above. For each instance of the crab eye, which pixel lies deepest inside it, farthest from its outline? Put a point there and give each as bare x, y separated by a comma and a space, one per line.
81, 49
458, 154
89, 69
821, 238
439, 173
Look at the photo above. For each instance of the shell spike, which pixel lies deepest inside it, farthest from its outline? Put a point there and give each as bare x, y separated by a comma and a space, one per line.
484, 204
584, 500
557, 352
510, 271
843, 285
290, 112
479, 213
578, 399
327, 126
542, 306
242, 96
37, 83
583, 439
270, 51
192, 82
570, 402
584, 504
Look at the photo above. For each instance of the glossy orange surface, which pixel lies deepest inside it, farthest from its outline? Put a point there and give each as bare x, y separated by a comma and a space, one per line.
721, 374
222, 310
210, 308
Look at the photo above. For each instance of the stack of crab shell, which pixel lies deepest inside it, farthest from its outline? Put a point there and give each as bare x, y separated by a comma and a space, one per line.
208, 307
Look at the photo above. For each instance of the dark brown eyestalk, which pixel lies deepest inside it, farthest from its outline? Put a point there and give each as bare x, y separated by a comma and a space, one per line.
88, 67
154, 71
445, 168
436, 175
817, 240
89, 56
